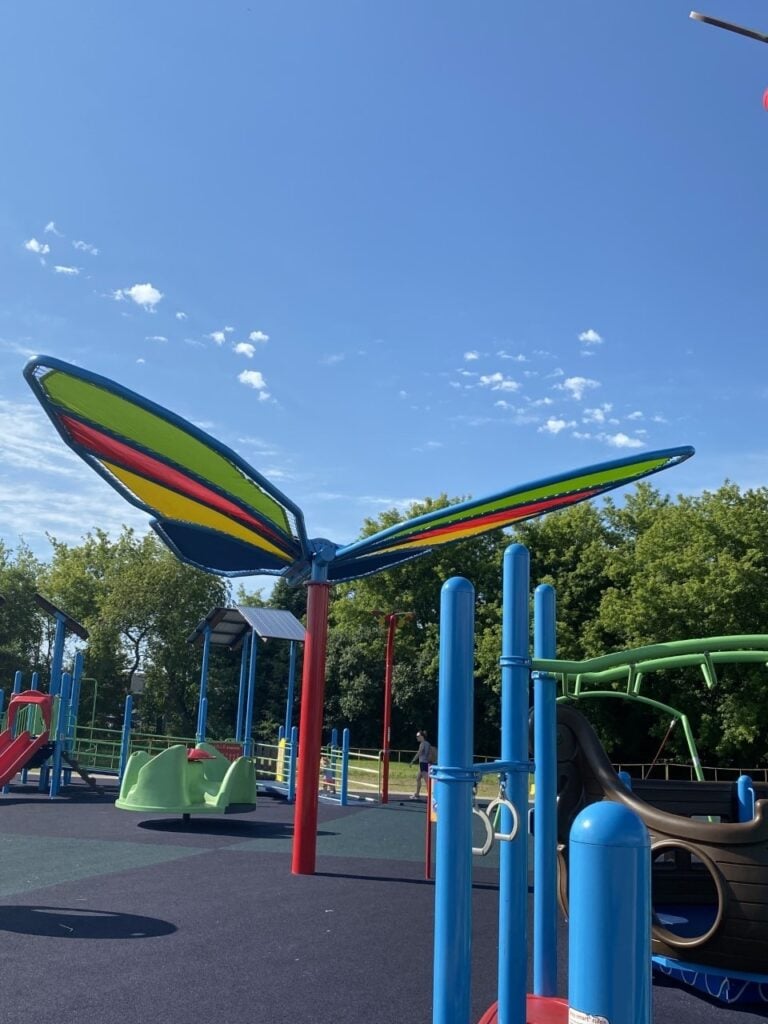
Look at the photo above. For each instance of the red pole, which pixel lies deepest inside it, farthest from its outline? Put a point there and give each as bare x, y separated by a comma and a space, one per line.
310, 730
388, 662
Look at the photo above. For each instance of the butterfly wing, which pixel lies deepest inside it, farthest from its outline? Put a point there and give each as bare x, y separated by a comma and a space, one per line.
478, 516
213, 509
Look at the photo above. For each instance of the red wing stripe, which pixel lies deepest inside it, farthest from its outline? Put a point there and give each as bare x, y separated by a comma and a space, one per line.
104, 446
509, 515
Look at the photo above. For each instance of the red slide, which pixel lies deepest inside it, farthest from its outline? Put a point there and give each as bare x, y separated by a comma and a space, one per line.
16, 751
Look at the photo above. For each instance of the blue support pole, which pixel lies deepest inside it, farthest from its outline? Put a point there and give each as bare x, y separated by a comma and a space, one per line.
202, 707
58, 655
18, 681
244, 652
280, 733
291, 687
452, 791
344, 797
292, 764
609, 939
745, 798
513, 857
248, 738
334, 738
35, 684
72, 709
545, 801
2, 702
125, 744
60, 734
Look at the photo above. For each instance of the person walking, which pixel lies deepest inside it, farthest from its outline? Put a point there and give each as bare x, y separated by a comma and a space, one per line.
422, 757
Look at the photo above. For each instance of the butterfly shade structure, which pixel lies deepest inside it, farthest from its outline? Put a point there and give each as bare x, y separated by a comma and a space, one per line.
217, 513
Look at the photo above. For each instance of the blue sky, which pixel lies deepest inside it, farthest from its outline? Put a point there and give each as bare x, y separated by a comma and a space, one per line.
385, 250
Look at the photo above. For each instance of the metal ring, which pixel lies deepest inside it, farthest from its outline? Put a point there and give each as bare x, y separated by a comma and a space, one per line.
481, 851
499, 801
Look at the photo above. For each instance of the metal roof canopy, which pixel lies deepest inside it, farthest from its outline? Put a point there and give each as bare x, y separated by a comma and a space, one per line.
71, 624
230, 625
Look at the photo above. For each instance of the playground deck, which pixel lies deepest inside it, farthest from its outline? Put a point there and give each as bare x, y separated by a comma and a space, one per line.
111, 916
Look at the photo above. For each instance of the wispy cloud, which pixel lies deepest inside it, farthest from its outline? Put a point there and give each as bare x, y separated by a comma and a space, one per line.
155, 337
258, 336
590, 337
429, 446
144, 295
255, 379
636, 415
39, 248
85, 247
69, 271
471, 356
577, 386
244, 348
51, 229
333, 359
502, 354
555, 425
181, 315
597, 415
498, 382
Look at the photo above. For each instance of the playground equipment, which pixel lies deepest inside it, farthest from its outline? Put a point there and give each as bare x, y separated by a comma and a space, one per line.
609, 966
186, 782
19, 748
216, 512
240, 627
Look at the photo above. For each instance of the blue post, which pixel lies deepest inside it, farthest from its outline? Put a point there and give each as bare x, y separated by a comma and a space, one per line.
626, 778
344, 798
609, 939
72, 710
239, 730
202, 707
58, 654
292, 764
291, 687
545, 801
513, 857
125, 744
35, 684
18, 681
2, 702
453, 795
247, 736
60, 734
745, 798
334, 738
280, 733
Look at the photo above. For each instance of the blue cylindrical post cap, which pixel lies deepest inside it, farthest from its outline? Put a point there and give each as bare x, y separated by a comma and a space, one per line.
457, 583
610, 824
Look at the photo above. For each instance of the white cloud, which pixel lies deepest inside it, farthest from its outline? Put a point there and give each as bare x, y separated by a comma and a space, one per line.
597, 415
576, 386
254, 379
244, 348
590, 337
141, 361
50, 229
155, 337
469, 356
498, 382
41, 248
86, 247
506, 355
181, 316
554, 425
219, 337
636, 415
258, 336
622, 441
429, 446
70, 271
402, 394
543, 401
335, 357
229, 330
144, 295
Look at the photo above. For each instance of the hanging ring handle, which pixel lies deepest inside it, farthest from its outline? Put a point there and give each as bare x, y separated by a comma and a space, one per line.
481, 851
501, 801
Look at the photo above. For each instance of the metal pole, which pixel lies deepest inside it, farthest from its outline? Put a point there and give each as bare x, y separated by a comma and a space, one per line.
58, 655
453, 795
248, 724
311, 723
513, 857
344, 798
545, 801
125, 744
239, 731
202, 708
387, 725
292, 764
291, 687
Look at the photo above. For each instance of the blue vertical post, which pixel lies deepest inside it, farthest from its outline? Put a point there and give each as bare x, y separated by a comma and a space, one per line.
609, 938
545, 801
202, 707
292, 764
745, 798
125, 744
60, 733
453, 795
247, 736
244, 652
513, 857
280, 733
35, 684
72, 710
334, 738
18, 681
58, 654
2, 702
344, 798
291, 687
